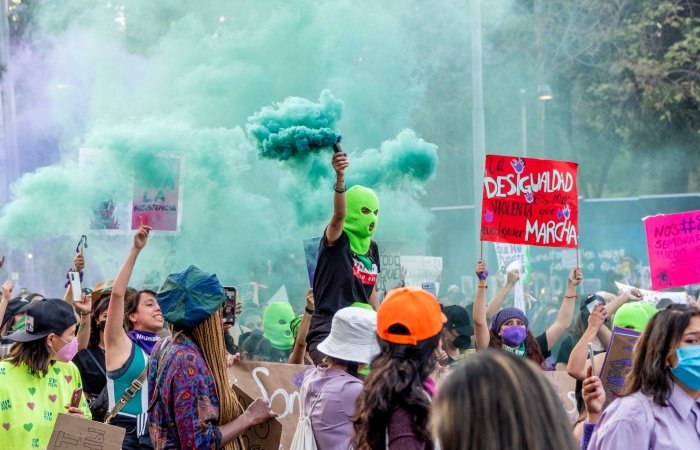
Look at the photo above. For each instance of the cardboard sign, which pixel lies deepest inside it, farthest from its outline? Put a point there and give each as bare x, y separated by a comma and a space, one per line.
264, 436
618, 362
655, 296
673, 244
276, 382
311, 250
565, 385
421, 269
157, 195
530, 201
72, 432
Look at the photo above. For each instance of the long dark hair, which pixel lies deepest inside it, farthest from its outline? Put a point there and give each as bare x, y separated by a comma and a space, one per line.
131, 305
496, 400
532, 347
94, 341
650, 371
395, 380
35, 354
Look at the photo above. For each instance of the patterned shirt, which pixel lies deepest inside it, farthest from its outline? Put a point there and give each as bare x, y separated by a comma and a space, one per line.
186, 413
30, 404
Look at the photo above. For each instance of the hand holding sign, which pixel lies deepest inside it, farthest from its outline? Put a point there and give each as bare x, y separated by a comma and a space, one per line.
513, 276
258, 412
481, 272
575, 276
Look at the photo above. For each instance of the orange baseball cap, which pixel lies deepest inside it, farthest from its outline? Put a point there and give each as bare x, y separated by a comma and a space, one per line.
413, 308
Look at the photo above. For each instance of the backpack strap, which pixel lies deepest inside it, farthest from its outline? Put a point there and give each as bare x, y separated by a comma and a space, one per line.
128, 394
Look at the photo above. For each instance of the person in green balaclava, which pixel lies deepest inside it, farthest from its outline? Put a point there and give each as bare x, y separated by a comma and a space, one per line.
633, 316
362, 210
276, 325
348, 259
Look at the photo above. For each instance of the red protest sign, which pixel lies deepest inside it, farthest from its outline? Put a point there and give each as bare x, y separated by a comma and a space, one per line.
530, 201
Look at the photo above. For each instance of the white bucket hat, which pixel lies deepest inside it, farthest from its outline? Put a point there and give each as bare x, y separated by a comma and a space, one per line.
353, 336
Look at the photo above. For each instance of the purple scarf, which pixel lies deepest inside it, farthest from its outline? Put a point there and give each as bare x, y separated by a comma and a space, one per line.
144, 339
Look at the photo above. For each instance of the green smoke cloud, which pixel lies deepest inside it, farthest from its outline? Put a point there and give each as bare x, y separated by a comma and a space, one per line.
181, 80
296, 127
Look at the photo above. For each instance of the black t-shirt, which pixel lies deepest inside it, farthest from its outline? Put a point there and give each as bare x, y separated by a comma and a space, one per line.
341, 279
542, 340
94, 377
565, 349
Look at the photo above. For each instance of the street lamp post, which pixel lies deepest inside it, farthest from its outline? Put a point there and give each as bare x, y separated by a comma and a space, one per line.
523, 121
478, 125
544, 94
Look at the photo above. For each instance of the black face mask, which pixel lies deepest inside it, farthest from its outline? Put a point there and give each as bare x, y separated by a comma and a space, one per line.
462, 342
101, 325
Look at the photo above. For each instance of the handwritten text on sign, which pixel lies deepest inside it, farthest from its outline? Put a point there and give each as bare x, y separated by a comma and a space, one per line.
673, 243
530, 201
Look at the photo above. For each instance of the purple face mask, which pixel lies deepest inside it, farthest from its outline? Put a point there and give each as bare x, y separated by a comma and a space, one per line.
514, 336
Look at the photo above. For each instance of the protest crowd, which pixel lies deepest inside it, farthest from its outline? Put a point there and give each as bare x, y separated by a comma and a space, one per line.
465, 371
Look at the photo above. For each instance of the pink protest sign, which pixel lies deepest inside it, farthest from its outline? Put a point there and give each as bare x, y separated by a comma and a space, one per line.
157, 195
673, 243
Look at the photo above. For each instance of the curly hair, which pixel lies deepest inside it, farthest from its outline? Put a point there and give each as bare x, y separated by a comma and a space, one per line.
395, 381
532, 347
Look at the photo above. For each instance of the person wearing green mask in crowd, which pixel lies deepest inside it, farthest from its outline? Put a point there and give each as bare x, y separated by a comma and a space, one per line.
348, 259
277, 318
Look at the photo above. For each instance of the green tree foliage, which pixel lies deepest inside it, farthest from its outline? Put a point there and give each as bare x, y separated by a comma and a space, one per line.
628, 76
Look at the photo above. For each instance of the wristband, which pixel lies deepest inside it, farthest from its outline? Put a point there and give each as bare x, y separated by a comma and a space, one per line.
571, 296
85, 314
482, 287
339, 191
309, 311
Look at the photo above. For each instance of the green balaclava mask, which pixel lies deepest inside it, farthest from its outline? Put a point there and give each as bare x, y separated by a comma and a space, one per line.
358, 226
277, 319
631, 315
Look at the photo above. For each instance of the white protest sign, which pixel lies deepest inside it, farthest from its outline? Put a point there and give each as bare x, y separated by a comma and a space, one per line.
569, 259
518, 291
511, 257
421, 269
654, 296
390, 273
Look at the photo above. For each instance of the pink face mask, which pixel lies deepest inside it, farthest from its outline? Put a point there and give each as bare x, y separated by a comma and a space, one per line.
68, 352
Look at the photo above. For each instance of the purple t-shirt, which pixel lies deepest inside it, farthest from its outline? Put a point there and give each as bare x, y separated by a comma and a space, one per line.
626, 424
331, 415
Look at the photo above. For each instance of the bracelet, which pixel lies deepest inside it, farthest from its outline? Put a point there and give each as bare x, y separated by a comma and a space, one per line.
85, 314
482, 287
571, 296
309, 311
339, 191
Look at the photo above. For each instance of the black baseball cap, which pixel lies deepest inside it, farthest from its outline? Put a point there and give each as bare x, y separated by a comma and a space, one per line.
50, 315
17, 305
458, 319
